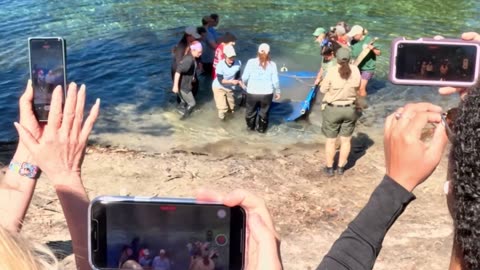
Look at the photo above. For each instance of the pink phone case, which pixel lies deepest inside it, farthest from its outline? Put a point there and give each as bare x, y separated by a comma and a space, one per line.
433, 82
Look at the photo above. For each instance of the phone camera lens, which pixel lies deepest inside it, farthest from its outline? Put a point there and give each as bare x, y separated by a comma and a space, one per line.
400, 46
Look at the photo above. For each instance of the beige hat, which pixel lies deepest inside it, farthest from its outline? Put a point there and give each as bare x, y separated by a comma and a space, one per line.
229, 51
192, 31
356, 29
264, 48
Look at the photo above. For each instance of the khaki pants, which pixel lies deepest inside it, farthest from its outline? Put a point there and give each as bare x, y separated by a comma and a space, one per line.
224, 100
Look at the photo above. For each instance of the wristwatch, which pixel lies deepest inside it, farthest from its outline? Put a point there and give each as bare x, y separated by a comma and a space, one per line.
25, 169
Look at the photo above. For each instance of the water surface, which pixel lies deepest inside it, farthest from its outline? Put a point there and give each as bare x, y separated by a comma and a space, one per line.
121, 51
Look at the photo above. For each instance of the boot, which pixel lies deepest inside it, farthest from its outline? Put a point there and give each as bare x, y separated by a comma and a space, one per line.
186, 112
262, 125
251, 123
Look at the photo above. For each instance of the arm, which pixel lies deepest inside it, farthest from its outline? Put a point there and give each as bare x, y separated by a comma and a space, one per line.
246, 72
318, 79
176, 82
326, 83
275, 81
16, 191
60, 152
409, 162
360, 244
211, 40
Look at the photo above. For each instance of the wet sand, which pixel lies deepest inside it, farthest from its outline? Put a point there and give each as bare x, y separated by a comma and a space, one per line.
309, 209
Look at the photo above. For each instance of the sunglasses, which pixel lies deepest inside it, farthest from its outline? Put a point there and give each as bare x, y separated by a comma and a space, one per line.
448, 119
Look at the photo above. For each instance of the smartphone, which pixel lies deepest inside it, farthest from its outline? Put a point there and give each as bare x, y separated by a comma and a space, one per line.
156, 232
47, 70
446, 62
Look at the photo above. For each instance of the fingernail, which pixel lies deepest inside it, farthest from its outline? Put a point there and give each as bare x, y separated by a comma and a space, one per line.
97, 101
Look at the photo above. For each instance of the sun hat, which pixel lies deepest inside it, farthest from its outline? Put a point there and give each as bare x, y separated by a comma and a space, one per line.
264, 48
319, 31
229, 51
343, 54
356, 29
192, 30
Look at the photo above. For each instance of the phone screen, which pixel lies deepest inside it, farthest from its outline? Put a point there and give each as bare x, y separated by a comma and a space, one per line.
47, 71
436, 62
163, 235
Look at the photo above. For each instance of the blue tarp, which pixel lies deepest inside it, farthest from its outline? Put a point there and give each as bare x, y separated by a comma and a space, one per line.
292, 81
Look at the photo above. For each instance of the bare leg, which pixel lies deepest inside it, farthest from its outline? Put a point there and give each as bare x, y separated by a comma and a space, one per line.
330, 151
344, 151
362, 90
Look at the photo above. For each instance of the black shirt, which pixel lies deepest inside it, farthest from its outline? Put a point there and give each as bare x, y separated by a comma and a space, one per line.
186, 68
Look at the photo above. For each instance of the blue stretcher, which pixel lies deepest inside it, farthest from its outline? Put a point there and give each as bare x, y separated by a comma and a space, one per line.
294, 109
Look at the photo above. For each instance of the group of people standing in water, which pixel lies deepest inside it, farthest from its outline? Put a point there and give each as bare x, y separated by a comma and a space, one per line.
203, 59
349, 61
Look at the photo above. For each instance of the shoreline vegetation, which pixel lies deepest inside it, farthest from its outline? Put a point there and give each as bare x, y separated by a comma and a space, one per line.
309, 209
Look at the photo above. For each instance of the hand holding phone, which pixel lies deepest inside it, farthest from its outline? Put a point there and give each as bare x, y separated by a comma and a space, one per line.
160, 232
47, 71
263, 243
444, 62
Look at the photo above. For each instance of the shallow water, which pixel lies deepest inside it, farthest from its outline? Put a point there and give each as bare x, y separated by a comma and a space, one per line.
121, 51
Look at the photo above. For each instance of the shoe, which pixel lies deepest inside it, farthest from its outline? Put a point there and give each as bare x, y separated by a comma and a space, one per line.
186, 112
262, 125
340, 170
329, 171
251, 123
221, 115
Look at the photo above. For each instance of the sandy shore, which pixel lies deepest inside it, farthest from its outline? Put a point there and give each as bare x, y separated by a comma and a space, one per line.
309, 209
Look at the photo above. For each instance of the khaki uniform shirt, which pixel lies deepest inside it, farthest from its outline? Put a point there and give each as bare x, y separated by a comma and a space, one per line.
337, 90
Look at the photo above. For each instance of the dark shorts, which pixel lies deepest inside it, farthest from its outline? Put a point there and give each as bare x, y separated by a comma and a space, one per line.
339, 121
367, 75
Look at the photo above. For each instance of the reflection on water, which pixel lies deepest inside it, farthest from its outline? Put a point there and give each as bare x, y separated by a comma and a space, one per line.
121, 50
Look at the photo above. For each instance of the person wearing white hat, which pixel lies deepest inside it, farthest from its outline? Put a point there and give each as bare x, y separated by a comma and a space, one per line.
161, 262
361, 41
262, 84
226, 82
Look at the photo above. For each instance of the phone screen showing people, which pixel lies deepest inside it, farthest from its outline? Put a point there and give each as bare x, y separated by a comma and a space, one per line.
436, 62
170, 236
47, 71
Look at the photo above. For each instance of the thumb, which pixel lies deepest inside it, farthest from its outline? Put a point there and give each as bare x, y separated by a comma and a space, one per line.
26, 137
267, 248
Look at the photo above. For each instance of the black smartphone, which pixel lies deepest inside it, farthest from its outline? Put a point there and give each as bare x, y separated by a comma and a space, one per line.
165, 232
47, 70
444, 62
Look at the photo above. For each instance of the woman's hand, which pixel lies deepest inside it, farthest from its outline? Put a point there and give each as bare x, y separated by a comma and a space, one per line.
263, 241
29, 121
471, 36
59, 148
408, 159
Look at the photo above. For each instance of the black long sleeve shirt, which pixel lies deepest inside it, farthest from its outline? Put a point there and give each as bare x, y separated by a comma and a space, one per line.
359, 245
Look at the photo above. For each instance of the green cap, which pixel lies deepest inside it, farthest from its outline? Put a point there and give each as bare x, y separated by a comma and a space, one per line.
343, 54
319, 31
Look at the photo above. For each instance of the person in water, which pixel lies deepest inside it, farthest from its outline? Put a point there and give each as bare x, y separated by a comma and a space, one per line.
360, 41
225, 40
185, 77
338, 109
226, 82
261, 79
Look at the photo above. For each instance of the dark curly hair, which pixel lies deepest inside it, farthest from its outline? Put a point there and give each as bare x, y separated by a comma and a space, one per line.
465, 156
